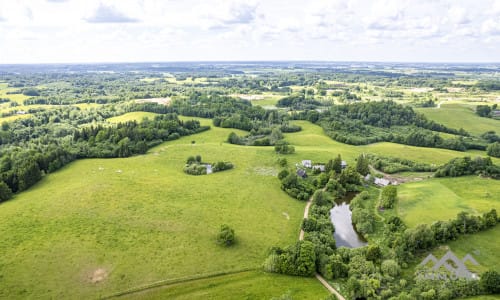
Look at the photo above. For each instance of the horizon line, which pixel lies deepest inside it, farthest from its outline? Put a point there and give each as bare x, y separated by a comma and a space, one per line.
250, 61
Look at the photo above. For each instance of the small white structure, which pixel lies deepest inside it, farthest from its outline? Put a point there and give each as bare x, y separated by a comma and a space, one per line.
209, 168
381, 181
21, 112
321, 168
307, 163
343, 164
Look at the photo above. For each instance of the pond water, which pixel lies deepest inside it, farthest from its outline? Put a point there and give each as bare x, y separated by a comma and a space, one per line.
345, 235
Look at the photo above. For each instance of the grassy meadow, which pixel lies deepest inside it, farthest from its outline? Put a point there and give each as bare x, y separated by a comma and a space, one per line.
459, 116
312, 143
443, 198
129, 222
246, 285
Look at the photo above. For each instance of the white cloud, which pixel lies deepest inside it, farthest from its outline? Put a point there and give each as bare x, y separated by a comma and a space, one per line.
138, 30
109, 14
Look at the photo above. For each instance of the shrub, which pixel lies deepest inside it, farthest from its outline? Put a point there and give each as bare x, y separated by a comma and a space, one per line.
225, 236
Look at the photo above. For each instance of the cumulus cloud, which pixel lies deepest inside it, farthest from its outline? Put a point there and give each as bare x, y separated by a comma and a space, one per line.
109, 14
57, 1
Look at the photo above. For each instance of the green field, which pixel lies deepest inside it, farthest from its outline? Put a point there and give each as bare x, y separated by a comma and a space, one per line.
313, 144
132, 116
141, 219
459, 116
442, 198
246, 285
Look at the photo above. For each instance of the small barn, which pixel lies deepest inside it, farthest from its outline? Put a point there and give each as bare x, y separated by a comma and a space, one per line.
343, 164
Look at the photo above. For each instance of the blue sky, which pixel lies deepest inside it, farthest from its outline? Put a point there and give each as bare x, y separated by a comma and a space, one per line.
49, 31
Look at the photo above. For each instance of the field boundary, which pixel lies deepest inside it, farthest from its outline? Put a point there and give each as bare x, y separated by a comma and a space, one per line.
166, 282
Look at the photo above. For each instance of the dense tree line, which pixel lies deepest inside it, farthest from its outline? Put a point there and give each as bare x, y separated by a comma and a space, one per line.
462, 166
393, 165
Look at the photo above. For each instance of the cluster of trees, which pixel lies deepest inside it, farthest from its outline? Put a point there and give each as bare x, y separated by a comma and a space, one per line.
264, 136
493, 149
362, 214
298, 259
462, 166
283, 147
195, 166
404, 243
131, 137
393, 165
388, 197
298, 102
296, 186
485, 110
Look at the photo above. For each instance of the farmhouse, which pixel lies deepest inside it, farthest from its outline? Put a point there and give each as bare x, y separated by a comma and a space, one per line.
301, 173
343, 164
495, 114
381, 181
307, 163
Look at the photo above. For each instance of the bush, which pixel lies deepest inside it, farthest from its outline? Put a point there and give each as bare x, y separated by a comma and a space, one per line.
5, 192
490, 281
225, 236
389, 196
221, 166
493, 149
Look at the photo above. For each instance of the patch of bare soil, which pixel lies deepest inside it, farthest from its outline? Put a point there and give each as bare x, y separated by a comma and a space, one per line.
98, 275
164, 101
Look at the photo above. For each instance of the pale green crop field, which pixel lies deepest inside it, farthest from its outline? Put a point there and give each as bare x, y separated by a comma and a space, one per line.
458, 116
443, 198
141, 219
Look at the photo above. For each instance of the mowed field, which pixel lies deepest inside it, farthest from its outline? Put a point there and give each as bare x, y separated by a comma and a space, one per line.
460, 116
99, 226
443, 198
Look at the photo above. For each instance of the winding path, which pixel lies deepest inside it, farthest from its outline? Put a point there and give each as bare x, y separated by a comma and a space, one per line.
318, 276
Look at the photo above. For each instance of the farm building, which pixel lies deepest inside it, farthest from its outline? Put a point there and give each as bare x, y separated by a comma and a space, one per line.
307, 163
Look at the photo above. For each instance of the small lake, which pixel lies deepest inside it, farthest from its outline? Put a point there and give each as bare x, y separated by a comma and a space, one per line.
340, 215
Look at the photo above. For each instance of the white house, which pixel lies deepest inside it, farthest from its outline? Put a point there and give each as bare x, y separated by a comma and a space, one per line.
307, 163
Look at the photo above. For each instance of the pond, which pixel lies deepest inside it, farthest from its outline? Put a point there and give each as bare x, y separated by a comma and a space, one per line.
345, 235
